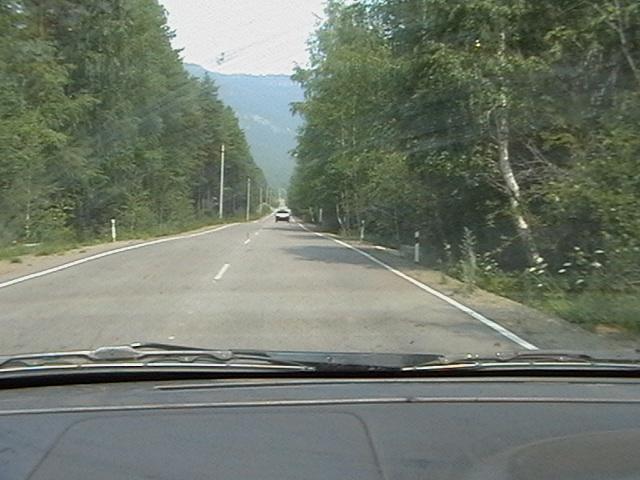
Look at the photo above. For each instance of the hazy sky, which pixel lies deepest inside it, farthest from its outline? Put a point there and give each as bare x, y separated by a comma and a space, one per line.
255, 36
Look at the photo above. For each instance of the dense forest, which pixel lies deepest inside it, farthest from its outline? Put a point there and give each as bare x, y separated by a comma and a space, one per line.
506, 131
99, 120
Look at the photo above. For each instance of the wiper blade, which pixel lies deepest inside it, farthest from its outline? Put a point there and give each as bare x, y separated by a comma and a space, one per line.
152, 355
166, 355
537, 359
161, 355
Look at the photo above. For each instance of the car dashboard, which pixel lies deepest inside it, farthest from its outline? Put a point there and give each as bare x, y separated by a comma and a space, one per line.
385, 428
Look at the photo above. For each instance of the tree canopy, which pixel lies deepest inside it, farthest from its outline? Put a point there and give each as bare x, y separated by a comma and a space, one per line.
513, 120
99, 120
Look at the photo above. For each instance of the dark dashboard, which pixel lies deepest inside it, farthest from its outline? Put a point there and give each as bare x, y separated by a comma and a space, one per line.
465, 428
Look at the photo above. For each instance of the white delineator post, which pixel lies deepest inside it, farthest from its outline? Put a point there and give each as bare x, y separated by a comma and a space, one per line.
320, 215
248, 198
113, 229
416, 247
221, 200
361, 230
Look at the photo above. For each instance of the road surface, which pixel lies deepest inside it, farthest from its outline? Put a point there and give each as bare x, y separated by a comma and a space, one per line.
253, 285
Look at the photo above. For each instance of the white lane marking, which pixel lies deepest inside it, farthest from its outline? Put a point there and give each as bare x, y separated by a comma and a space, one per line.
454, 303
257, 233
64, 266
247, 241
224, 268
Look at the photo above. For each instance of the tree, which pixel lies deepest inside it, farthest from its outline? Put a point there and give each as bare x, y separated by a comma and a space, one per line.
513, 120
98, 119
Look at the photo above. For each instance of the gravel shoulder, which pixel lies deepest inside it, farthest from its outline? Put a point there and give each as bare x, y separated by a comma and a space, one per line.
35, 263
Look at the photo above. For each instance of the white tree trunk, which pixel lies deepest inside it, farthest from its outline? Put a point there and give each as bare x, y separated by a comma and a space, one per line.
504, 163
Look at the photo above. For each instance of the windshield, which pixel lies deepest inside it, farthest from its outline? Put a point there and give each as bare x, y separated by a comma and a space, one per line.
374, 176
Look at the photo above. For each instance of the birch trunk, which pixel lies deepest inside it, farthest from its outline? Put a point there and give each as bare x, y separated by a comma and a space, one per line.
504, 163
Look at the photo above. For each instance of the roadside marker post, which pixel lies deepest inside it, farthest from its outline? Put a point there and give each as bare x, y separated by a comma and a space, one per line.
361, 230
320, 215
248, 215
221, 200
113, 229
416, 247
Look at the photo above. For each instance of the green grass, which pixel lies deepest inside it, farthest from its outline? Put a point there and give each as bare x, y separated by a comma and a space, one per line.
13, 253
53, 248
589, 309
593, 309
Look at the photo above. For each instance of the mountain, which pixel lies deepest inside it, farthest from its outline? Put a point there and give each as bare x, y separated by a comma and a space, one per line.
262, 103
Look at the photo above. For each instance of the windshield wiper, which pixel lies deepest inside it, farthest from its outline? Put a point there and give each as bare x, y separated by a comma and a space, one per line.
534, 360
149, 355
155, 356
176, 356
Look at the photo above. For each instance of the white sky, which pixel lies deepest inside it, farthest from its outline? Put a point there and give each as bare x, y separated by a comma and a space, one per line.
256, 36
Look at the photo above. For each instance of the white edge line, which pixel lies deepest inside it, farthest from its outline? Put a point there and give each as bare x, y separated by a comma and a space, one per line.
224, 268
454, 303
80, 261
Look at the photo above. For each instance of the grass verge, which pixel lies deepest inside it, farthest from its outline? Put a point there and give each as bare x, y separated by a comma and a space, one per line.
13, 253
594, 310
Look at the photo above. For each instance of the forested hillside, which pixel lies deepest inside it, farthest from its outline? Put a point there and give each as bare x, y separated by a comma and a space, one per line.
263, 105
99, 120
505, 131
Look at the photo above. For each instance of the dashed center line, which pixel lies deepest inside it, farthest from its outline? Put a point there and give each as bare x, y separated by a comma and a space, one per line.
247, 241
224, 268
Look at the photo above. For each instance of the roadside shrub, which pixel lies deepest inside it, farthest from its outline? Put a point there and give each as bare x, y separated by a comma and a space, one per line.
50, 225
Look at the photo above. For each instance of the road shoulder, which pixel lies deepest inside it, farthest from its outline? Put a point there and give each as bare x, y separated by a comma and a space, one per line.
541, 329
30, 264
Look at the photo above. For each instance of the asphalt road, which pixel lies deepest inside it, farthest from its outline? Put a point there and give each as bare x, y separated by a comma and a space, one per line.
255, 285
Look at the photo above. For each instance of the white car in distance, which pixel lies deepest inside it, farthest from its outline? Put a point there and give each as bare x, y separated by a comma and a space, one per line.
283, 215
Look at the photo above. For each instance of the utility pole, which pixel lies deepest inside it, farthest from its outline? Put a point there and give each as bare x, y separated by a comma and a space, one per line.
248, 198
260, 207
220, 206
